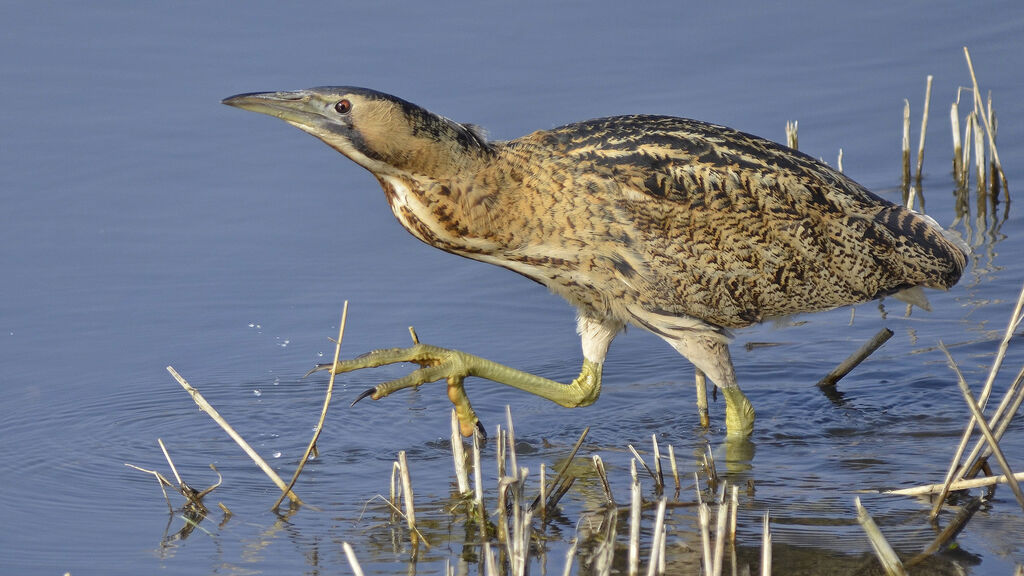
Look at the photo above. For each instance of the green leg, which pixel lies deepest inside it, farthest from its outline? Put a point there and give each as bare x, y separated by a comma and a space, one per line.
710, 354
454, 366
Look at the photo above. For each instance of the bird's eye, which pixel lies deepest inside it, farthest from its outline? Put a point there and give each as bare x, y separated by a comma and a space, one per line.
343, 106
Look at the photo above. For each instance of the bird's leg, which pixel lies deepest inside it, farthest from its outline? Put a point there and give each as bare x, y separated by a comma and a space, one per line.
468, 422
454, 366
710, 354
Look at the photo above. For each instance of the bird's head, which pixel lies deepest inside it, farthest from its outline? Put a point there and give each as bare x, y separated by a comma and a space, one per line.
380, 132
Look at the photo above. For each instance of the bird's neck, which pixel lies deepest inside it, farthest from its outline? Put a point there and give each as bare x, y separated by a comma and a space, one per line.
450, 213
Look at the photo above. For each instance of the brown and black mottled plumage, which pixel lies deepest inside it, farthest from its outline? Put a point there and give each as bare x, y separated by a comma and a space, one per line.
684, 228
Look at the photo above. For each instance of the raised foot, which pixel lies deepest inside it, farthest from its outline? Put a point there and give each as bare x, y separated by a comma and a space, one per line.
436, 364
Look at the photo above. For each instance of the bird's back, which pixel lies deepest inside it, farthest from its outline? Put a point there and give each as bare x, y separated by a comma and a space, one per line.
685, 218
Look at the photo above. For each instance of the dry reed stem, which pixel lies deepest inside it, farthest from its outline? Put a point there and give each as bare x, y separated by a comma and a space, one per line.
704, 516
989, 130
489, 562
636, 500
160, 480
886, 555
791, 135
169, 461
511, 435
323, 411
640, 459
985, 429
206, 407
602, 474
570, 554
407, 498
839, 161
722, 520
352, 561
459, 456
541, 496
956, 472
844, 368
955, 486
658, 539
561, 472
954, 122
675, 469
979, 159
395, 488
906, 149
949, 532
709, 466
659, 480
924, 130
734, 505
478, 483
766, 546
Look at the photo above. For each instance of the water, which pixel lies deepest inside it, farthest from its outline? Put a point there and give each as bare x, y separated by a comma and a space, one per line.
144, 224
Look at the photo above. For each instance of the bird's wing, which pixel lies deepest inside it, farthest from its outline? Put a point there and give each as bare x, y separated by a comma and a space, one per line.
735, 229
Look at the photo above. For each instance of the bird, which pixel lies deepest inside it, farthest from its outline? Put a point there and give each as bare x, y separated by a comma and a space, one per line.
686, 229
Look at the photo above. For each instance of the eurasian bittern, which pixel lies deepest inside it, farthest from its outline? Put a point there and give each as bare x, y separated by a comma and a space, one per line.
680, 227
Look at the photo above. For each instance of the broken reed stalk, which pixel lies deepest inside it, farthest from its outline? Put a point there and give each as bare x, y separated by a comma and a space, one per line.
924, 130
954, 121
985, 429
602, 474
979, 159
169, 461
323, 410
636, 500
511, 435
206, 407
570, 554
352, 561
640, 459
407, 498
704, 517
709, 467
478, 482
989, 130
856, 358
702, 397
558, 482
886, 555
952, 529
734, 504
906, 150
955, 486
766, 546
956, 472
659, 480
459, 457
722, 520
657, 540
675, 469
160, 480
911, 199
791, 135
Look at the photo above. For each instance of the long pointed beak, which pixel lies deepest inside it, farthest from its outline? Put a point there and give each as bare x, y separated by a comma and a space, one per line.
298, 108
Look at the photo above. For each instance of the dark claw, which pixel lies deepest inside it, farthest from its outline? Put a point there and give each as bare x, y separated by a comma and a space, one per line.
316, 368
480, 430
363, 395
